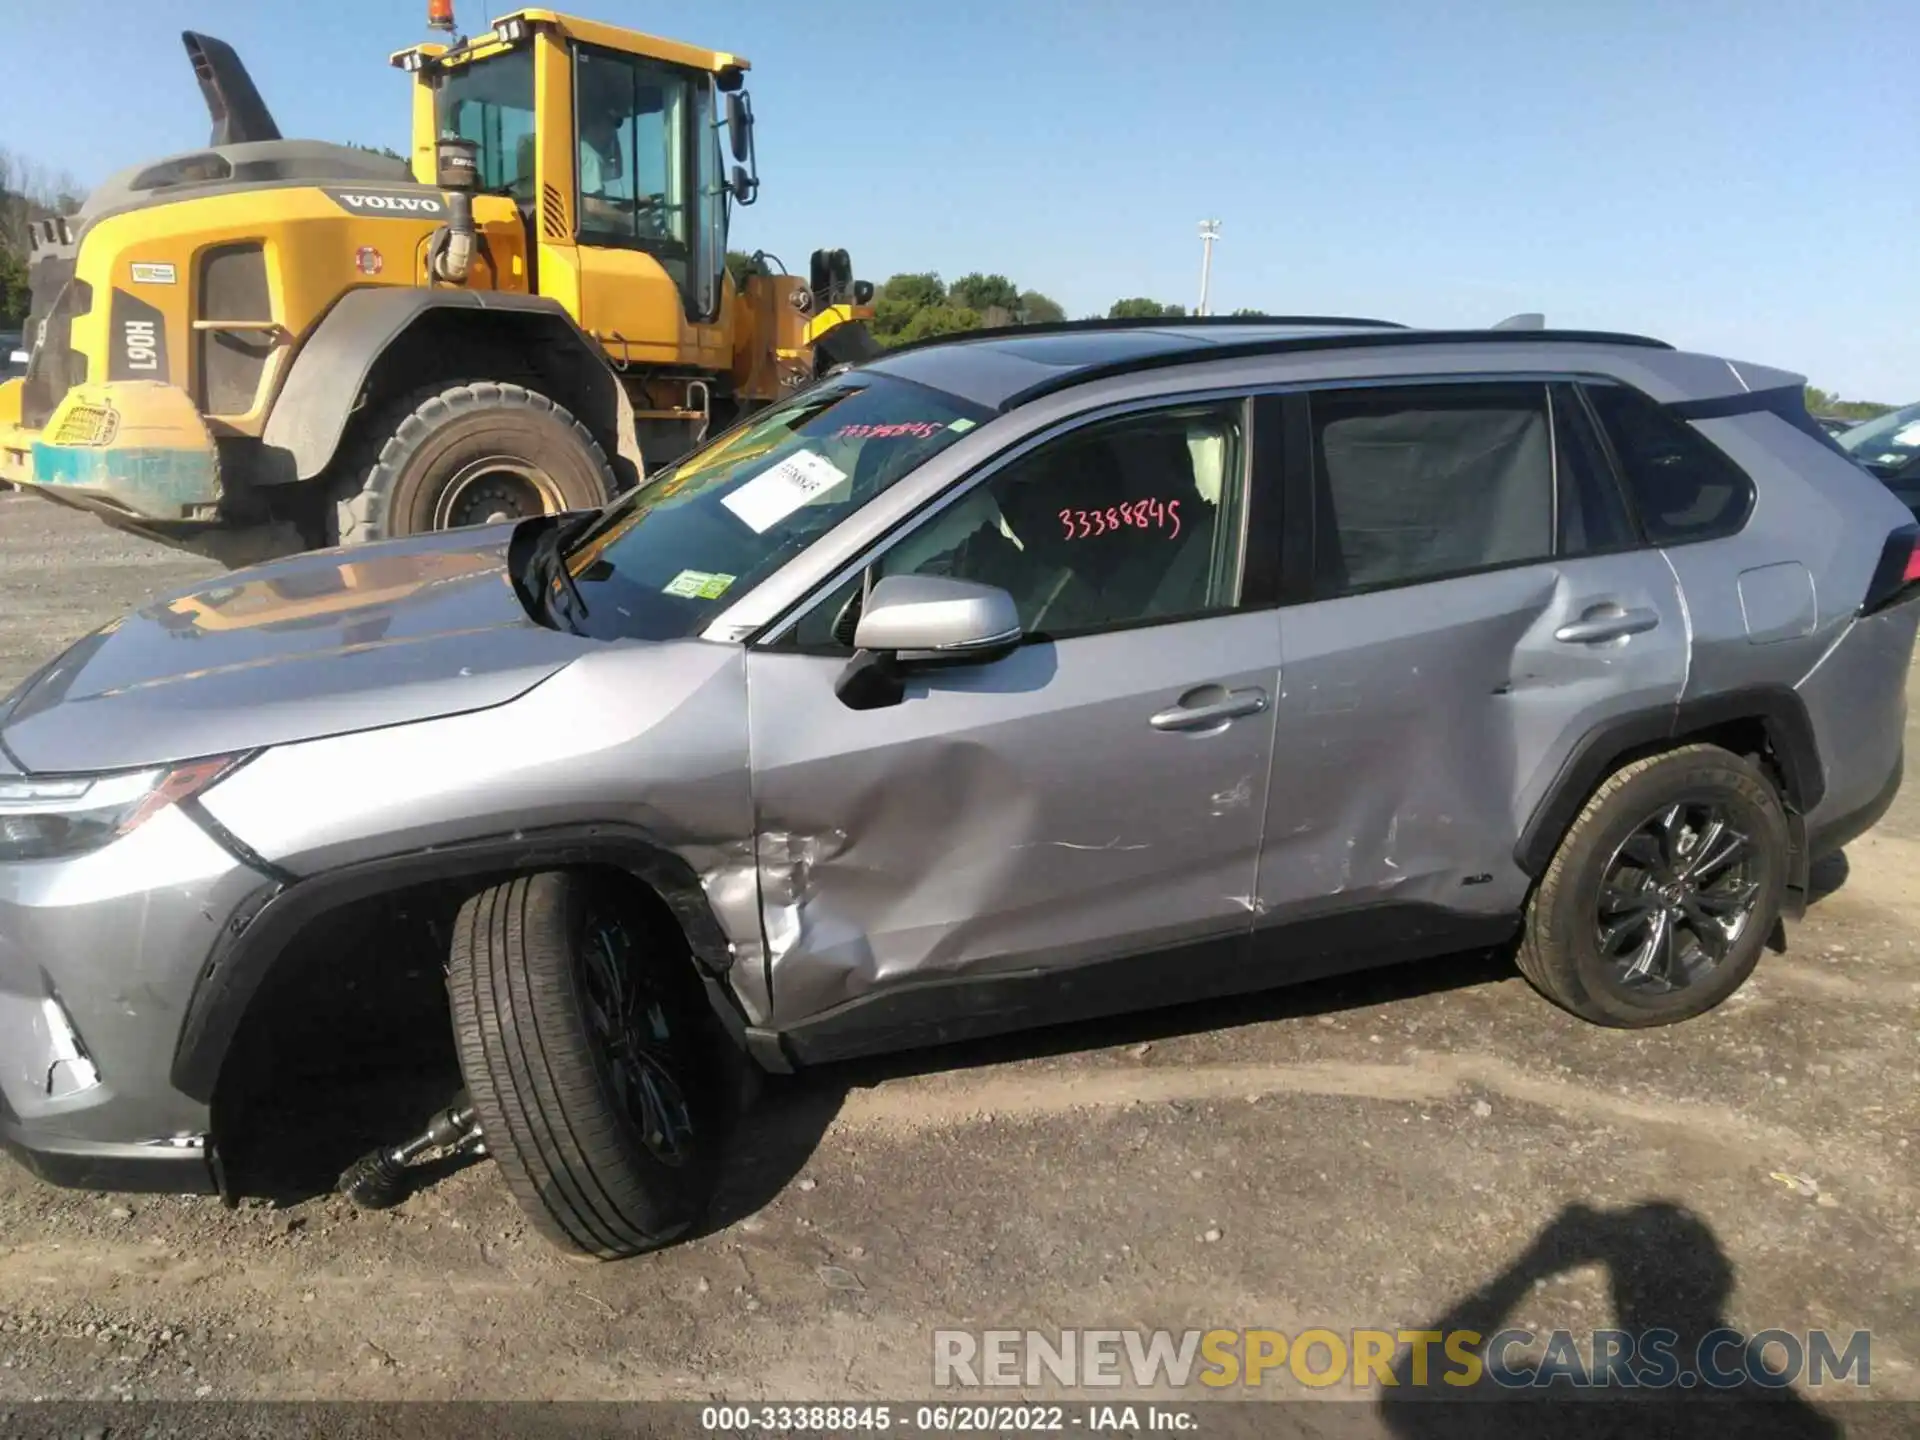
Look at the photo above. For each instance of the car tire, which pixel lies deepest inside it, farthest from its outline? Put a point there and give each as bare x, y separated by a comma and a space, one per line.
467, 454
1642, 883
610, 1143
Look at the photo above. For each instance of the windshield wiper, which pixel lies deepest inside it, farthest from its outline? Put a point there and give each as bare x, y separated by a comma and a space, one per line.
546, 574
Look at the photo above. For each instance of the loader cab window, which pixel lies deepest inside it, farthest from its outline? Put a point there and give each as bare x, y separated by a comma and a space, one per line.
644, 131
490, 102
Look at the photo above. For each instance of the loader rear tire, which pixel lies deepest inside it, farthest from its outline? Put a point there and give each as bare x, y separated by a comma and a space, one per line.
478, 453
592, 1060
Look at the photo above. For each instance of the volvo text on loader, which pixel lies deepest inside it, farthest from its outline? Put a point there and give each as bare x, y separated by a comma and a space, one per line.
277, 344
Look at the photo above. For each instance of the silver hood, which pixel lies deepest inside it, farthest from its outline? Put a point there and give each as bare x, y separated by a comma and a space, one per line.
319, 644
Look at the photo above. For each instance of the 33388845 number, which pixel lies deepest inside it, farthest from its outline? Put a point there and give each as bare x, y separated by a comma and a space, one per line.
1152, 514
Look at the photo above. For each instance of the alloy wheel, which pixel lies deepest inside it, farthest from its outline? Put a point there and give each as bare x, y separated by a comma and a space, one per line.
631, 1024
1676, 896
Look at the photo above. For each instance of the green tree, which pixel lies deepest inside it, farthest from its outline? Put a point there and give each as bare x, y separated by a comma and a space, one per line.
1141, 308
13, 290
900, 300
932, 320
1825, 402
740, 265
1251, 314
380, 150
985, 292
1038, 309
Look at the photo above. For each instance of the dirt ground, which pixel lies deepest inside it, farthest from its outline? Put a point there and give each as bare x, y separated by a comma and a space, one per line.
1375, 1152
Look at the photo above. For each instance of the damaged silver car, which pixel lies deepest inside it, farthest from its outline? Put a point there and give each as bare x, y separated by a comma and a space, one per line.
1010, 679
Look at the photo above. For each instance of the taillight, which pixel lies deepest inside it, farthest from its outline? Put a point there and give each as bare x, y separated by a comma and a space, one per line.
1897, 576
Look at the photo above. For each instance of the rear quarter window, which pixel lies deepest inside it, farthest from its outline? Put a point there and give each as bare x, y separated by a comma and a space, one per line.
1684, 487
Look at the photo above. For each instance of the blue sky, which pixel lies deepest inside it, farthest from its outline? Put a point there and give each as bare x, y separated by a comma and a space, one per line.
1741, 177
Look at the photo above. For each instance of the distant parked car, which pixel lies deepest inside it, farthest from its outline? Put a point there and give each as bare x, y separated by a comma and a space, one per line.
1889, 446
1835, 425
13, 354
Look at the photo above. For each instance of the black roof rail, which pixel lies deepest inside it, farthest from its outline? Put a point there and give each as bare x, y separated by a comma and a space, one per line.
1284, 345
1141, 322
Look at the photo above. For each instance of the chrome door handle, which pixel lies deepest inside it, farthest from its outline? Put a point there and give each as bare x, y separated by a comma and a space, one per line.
1607, 622
1199, 717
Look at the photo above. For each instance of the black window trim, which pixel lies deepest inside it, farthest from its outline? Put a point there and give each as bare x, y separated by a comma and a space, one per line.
690, 158
1581, 417
774, 634
1682, 413
1299, 545
1316, 588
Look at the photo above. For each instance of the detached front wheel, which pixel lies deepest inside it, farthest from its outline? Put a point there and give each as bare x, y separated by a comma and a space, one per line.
474, 454
589, 1055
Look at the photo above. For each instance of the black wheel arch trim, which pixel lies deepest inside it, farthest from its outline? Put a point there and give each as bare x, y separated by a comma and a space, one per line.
1599, 752
277, 912
308, 421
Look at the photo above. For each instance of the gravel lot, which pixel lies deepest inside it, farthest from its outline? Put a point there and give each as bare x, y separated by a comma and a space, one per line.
1368, 1153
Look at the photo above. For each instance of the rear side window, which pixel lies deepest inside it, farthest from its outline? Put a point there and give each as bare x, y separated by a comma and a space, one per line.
1683, 485
1593, 515
1415, 484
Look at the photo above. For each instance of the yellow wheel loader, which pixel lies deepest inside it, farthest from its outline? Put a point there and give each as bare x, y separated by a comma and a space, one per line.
271, 345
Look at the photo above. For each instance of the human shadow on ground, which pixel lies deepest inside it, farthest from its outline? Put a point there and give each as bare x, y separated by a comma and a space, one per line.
1670, 1282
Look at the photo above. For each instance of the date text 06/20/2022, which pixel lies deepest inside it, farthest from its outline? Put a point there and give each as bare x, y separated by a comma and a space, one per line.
963, 1419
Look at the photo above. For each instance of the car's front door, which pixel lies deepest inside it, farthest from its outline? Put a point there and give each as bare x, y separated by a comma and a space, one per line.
1479, 603
1097, 795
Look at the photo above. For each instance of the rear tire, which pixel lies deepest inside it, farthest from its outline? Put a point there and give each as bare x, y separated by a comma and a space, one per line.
608, 1135
1643, 882
470, 454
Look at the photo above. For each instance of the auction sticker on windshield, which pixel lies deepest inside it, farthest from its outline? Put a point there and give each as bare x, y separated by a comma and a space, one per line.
698, 585
774, 494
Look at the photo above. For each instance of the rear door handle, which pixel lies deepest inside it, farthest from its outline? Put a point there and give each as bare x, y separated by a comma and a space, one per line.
1231, 706
1607, 622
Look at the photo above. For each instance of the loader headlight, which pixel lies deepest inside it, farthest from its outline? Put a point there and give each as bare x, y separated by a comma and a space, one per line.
46, 817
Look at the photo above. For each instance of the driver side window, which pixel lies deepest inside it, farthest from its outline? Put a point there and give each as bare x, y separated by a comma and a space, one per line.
1121, 523
631, 120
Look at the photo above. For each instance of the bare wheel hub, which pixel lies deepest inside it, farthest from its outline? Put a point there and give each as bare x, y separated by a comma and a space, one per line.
492, 490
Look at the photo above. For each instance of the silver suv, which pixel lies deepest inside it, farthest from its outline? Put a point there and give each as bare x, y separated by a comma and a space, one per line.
1027, 676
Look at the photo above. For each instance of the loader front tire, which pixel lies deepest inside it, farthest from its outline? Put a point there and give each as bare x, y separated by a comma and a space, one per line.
478, 453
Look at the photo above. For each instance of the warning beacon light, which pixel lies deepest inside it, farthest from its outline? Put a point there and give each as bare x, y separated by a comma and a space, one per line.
440, 15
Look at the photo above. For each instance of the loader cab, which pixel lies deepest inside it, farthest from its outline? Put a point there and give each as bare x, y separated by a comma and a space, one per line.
610, 142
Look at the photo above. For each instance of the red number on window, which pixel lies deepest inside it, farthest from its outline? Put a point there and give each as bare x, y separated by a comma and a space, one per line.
1150, 514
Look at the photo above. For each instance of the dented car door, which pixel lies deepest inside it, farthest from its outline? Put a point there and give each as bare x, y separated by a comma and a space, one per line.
1095, 796
1480, 602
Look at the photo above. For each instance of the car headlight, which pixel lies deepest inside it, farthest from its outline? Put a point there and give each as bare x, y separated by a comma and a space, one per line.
44, 817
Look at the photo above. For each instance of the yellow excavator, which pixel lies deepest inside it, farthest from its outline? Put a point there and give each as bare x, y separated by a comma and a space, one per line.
271, 345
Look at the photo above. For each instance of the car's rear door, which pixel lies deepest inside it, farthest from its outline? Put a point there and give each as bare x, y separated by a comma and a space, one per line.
958, 861
1476, 603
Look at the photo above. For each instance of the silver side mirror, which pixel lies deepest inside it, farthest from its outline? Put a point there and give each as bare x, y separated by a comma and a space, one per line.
914, 622
932, 616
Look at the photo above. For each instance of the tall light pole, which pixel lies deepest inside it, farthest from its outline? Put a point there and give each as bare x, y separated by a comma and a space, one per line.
1209, 232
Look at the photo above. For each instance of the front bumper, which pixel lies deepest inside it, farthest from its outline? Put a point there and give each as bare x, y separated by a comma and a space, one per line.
99, 959
134, 451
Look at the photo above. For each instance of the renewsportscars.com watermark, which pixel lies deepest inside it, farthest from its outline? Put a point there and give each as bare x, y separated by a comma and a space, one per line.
1724, 1359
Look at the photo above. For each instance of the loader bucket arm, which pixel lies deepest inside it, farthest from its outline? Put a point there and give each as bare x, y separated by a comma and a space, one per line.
239, 114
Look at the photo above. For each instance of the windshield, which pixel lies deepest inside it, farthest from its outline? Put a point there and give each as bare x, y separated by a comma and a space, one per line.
1890, 440
490, 102
662, 562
